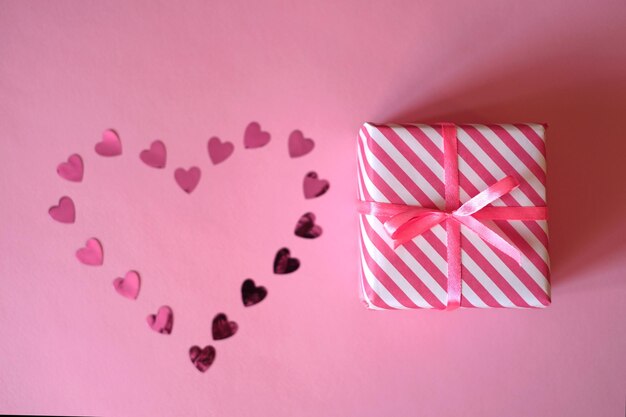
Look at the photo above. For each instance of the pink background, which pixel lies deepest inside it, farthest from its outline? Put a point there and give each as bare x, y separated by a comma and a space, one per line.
185, 71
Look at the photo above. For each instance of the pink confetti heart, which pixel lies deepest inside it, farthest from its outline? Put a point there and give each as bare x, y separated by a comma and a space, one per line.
155, 156
72, 170
110, 145
307, 228
284, 263
91, 254
202, 358
222, 328
64, 212
187, 179
129, 285
313, 186
252, 294
163, 321
254, 137
299, 145
219, 151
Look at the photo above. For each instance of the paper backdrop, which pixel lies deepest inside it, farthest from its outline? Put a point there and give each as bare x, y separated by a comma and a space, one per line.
185, 72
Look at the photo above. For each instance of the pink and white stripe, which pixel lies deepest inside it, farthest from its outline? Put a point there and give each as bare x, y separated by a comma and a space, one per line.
403, 164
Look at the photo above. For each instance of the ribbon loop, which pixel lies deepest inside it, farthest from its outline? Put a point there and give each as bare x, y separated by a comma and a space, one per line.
487, 196
404, 226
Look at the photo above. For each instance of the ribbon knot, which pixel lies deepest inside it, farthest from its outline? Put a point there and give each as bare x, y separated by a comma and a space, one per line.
404, 222
408, 222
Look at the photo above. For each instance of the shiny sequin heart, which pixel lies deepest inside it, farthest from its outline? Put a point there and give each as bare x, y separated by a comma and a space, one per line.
251, 294
284, 263
202, 358
223, 328
307, 228
163, 321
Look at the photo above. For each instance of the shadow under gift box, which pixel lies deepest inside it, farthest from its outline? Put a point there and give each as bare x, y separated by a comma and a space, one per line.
401, 167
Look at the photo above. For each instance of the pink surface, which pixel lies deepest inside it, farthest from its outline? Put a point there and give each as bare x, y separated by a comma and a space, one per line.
184, 72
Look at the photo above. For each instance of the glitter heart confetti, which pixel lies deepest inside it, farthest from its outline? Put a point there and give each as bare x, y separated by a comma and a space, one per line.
188, 179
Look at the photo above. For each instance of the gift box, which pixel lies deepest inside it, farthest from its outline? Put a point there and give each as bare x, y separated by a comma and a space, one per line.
453, 216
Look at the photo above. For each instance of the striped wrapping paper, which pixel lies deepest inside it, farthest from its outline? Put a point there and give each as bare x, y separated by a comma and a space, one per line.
403, 164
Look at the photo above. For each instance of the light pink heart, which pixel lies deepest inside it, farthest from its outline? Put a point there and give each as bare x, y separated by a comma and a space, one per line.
129, 285
64, 212
313, 186
254, 137
187, 179
110, 145
299, 145
91, 254
219, 151
72, 170
163, 321
155, 156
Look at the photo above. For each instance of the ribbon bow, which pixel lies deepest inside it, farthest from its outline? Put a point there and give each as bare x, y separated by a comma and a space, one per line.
405, 222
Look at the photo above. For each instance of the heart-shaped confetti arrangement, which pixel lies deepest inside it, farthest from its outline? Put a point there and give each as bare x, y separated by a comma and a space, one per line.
155, 156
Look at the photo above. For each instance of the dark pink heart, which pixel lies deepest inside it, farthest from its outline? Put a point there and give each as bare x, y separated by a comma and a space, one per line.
202, 358
254, 137
251, 294
163, 321
219, 151
187, 179
299, 145
222, 328
110, 145
307, 228
92, 253
313, 186
155, 156
284, 263
72, 170
129, 285
64, 212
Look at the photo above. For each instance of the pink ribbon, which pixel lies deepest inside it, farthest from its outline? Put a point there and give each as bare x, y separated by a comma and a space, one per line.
405, 222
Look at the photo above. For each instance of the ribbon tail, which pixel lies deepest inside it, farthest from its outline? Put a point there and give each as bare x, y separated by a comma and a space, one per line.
453, 230
491, 237
512, 213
